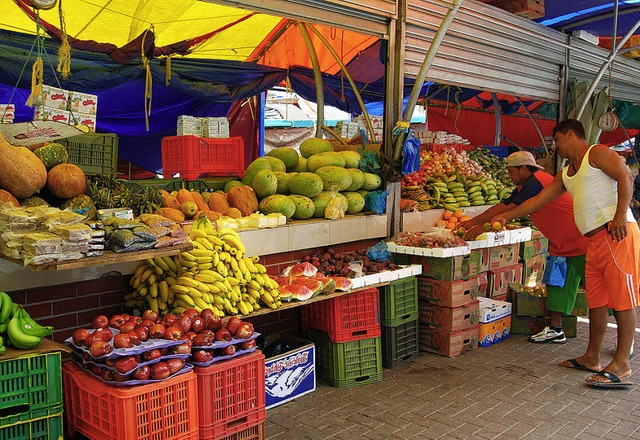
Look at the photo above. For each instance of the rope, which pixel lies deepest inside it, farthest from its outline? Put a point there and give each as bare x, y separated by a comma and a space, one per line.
148, 84
36, 71
64, 53
167, 73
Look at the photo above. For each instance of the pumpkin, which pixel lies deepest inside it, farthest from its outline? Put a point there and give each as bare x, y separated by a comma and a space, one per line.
199, 200
21, 172
6, 196
52, 155
218, 202
244, 198
33, 201
66, 181
81, 204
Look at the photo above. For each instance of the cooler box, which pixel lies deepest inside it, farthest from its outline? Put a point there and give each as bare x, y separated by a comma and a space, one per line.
495, 321
291, 374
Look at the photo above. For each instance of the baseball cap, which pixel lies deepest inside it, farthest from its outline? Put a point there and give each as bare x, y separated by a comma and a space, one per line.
520, 158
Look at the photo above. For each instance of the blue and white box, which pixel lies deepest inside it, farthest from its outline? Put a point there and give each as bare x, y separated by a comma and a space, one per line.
495, 321
291, 374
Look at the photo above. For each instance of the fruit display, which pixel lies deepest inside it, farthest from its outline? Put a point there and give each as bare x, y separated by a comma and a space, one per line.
22, 173
432, 237
107, 191
345, 264
303, 281
216, 274
17, 327
450, 220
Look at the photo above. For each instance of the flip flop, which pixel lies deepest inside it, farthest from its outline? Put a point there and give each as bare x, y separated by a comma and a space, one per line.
578, 366
614, 381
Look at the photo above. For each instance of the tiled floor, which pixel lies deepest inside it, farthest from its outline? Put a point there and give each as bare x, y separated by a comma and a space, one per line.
510, 390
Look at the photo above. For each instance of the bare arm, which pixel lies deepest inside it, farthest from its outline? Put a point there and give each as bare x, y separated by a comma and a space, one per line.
551, 192
613, 165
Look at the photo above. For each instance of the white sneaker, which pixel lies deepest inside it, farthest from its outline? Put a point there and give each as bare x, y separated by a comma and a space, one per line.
548, 335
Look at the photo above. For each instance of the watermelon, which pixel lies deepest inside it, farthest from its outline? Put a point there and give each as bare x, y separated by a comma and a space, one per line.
342, 284
303, 269
299, 292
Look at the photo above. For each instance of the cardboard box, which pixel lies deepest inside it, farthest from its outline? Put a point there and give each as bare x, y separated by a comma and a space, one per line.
446, 343
291, 374
448, 318
525, 303
7, 113
495, 331
482, 257
499, 279
536, 246
492, 310
448, 293
527, 325
46, 346
533, 270
580, 307
503, 256
524, 8
570, 326
46, 113
483, 284
83, 103
88, 121
460, 267
54, 98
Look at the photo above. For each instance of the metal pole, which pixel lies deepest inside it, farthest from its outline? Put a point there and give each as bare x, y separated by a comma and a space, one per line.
498, 112
535, 124
317, 76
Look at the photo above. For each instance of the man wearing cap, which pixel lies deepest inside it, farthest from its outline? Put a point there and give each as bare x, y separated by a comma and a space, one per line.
555, 221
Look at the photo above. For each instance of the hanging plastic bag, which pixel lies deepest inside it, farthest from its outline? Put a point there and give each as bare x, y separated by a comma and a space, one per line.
337, 206
379, 252
555, 273
376, 201
411, 154
369, 162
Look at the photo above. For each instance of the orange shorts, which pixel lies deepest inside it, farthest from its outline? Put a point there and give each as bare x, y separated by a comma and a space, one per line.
613, 270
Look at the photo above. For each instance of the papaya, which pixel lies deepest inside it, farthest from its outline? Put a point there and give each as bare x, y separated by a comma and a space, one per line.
172, 214
211, 215
233, 213
218, 202
199, 200
184, 195
169, 201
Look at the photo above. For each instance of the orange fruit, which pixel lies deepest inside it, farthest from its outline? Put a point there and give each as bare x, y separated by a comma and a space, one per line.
441, 224
447, 215
465, 218
496, 226
450, 225
458, 214
453, 220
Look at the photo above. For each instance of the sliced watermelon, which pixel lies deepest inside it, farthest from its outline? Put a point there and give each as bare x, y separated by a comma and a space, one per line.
303, 270
342, 284
298, 292
329, 285
284, 294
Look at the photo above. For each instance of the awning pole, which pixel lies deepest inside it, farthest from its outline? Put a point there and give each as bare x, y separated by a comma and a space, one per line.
498, 112
317, 76
535, 124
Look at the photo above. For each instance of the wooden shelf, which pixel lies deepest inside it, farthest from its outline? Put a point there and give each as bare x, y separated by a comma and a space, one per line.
293, 304
108, 257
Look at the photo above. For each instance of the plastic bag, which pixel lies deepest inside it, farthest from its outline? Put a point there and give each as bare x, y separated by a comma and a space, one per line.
369, 162
376, 201
379, 252
411, 154
336, 207
555, 273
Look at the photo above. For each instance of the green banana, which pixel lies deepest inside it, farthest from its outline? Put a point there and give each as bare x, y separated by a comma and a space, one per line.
31, 327
18, 338
453, 207
436, 193
6, 307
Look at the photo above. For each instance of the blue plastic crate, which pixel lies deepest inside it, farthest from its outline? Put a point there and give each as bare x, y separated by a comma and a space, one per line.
501, 152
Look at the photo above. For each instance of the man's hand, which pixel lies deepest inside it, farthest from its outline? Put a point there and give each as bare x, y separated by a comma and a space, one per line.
499, 218
618, 229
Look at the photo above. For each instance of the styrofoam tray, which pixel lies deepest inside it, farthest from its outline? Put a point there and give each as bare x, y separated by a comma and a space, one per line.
429, 252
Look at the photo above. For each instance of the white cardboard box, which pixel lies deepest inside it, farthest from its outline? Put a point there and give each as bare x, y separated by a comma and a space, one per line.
428, 252
493, 310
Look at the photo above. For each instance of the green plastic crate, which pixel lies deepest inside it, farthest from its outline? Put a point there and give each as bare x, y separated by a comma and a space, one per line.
30, 387
400, 344
347, 364
166, 184
399, 302
207, 184
94, 153
48, 428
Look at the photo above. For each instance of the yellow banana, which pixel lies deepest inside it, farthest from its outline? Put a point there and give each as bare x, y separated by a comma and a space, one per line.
140, 270
186, 281
173, 267
205, 243
233, 281
179, 310
153, 304
150, 262
196, 233
188, 264
158, 270
201, 253
218, 299
253, 284
256, 307
147, 273
202, 304
215, 241
244, 308
204, 260
143, 290
205, 266
205, 278
152, 279
255, 258
170, 281
177, 288
161, 264
185, 298
261, 268
194, 293
234, 265
163, 287
234, 241
221, 285
212, 273
225, 231
153, 290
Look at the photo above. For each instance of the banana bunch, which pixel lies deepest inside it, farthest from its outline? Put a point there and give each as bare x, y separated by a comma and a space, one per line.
215, 274
21, 330
454, 191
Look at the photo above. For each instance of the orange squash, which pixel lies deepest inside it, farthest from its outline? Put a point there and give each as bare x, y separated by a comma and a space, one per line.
6, 196
21, 172
66, 181
169, 201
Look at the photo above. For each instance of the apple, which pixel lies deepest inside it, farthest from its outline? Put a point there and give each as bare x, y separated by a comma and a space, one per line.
79, 335
213, 322
185, 322
170, 319
245, 331
211, 334
95, 336
122, 340
99, 348
233, 323
143, 333
141, 373
96, 370
109, 362
150, 315
116, 321
135, 340
126, 316
136, 319
164, 351
160, 371
191, 313
227, 351
120, 377
202, 356
175, 365
248, 344
151, 355
191, 335
172, 333
106, 375
184, 348
197, 324
100, 321
202, 340
223, 334
106, 333
127, 326
205, 314
156, 331
125, 364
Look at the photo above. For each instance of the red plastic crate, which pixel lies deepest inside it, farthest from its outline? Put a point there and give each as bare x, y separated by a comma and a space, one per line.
345, 318
252, 433
192, 156
165, 410
231, 396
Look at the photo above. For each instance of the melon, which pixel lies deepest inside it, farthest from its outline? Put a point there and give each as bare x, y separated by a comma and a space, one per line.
82, 204
230, 184
287, 155
304, 269
52, 155
275, 163
265, 183
355, 201
66, 181
301, 166
306, 184
7, 197
351, 158
277, 203
342, 284
335, 178
283, 182
358, 179
328, 285
321, 200
298, 292
21, 172
312, 146
261, 163
371, 182
328, 158
304, 207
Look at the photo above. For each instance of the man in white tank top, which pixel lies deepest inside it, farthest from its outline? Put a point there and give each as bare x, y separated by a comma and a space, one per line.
601, 187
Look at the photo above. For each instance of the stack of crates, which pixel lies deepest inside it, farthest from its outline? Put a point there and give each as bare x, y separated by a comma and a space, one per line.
101, 411
447, 304
399, 319
347, 336
31, 397
232, 399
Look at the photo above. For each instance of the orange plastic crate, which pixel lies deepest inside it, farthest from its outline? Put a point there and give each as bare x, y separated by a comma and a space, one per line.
252, 433
231, 396
345, 318
192, 156
165, 410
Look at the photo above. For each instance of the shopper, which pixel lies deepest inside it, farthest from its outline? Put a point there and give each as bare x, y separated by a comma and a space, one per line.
601, 186
555, 221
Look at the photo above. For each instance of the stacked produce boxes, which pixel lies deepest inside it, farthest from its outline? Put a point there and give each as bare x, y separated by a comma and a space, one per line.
448, 306
502, 267
533, 256
399, 319
346, 333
